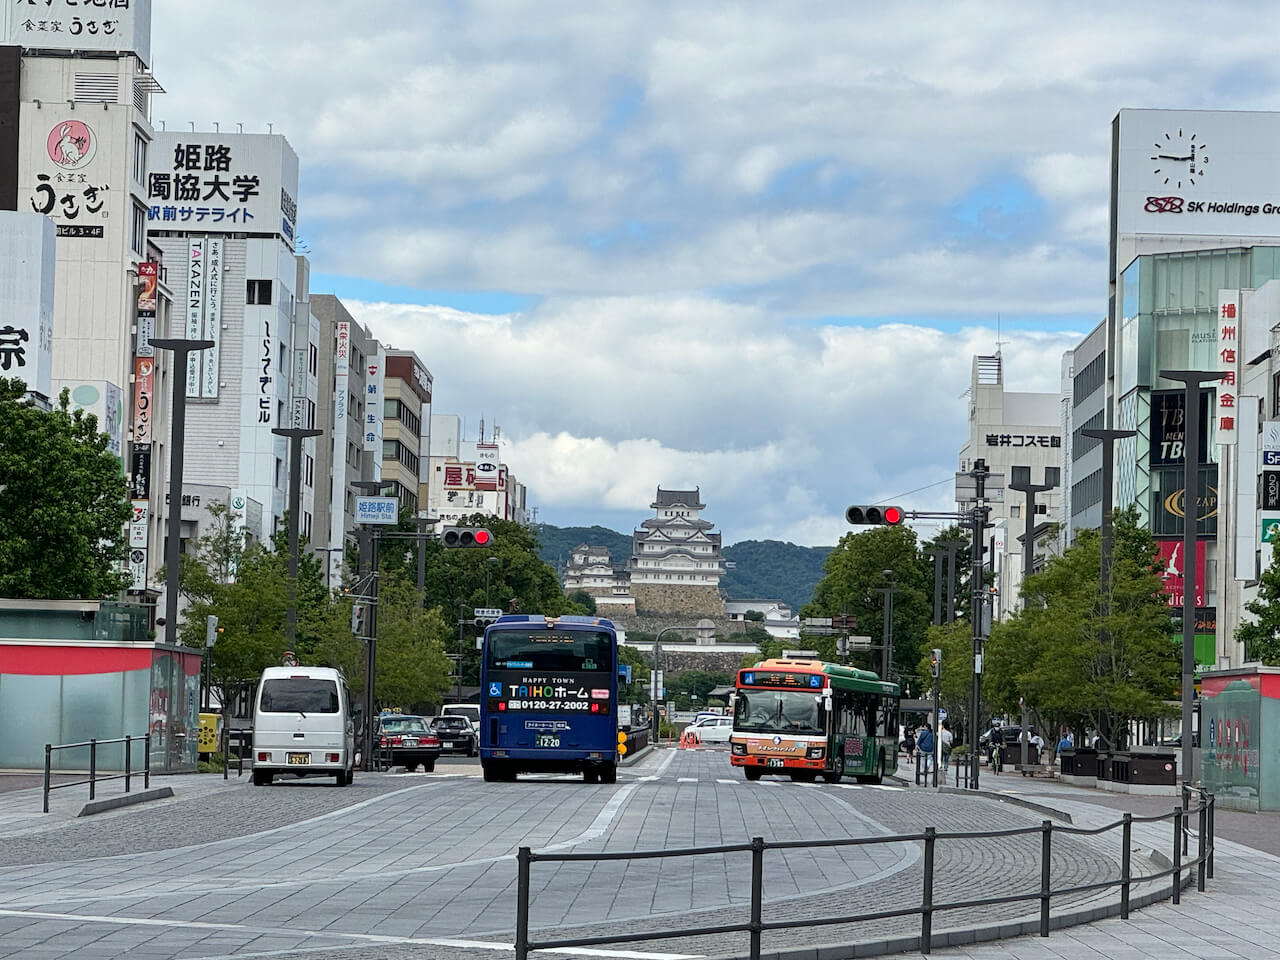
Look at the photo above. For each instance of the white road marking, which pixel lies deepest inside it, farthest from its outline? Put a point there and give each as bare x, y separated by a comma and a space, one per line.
256, 931
718, 780
849, 786
686, 779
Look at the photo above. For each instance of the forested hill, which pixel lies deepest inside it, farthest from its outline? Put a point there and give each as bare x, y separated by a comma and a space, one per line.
764, 569
772, 569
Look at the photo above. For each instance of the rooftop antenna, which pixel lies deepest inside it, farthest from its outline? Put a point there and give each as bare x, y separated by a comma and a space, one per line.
239, 128
193, 125
999, 342
270, 128
481, 440
216, 128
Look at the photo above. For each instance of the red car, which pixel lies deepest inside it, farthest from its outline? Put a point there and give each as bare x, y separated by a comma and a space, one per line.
407, 742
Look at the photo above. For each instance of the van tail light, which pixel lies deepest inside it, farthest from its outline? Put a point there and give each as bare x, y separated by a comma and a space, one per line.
263, 755
384, 742
331, 758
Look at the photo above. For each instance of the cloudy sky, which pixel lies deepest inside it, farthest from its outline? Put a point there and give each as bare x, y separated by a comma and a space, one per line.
750, 247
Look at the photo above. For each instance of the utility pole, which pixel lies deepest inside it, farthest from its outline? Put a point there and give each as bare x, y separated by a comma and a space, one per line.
295, 436
177, 441
369, 564
886, 656
1108, 438
980, 510
937, 556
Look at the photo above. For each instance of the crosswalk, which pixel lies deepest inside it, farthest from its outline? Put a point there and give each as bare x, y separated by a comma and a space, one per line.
764, 782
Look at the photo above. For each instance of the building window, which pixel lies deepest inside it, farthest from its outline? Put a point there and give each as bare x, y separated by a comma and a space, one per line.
313, 358
139, 159
1015, 511
258, 293
279, 468
311, 414
139, 233
281, 352
310, 465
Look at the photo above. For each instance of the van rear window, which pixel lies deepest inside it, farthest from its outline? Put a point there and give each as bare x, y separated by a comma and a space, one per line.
299, 695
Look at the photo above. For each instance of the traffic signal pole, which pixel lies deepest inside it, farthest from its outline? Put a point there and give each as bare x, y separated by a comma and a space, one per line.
980, 511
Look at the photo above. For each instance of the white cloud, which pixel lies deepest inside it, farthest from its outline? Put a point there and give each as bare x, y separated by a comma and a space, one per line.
601, 400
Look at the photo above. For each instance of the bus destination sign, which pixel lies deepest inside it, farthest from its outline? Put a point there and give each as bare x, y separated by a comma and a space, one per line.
773, 678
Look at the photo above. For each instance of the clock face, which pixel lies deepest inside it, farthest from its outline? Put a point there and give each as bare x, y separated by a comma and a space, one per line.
1180, 158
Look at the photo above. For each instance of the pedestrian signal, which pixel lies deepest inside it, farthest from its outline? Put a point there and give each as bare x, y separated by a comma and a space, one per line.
935, 662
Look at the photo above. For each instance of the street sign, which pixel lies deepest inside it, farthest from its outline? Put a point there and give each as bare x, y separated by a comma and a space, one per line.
377, 510
859, 643
817, 621
799, 654
487, 613
967, 488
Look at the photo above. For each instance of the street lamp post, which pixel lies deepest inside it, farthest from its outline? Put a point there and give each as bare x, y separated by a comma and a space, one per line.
1021, 481
886, 656
1191, 381
1108, 438
177, 439
937, 556
295, 436
656, 683
369, 562
488, 568
979, 474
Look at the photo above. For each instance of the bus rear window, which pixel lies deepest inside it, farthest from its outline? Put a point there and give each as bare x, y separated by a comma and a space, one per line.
549, 650
299, 695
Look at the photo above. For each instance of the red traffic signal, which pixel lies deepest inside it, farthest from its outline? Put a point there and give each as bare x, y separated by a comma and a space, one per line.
874, 516
466, 537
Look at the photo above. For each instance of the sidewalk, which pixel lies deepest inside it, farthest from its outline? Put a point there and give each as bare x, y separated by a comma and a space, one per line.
1236, 916
21, 810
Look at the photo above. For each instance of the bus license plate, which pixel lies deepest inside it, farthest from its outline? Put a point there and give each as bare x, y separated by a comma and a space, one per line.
299, 758
773, 763
548, 741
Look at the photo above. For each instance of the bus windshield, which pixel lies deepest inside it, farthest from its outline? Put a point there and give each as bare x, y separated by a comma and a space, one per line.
795, 711
549, 650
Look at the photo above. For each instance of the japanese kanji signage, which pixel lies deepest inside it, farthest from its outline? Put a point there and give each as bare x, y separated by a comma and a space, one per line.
66, 170
116, 26
148, 280
144, 372
375, 389
1023, 440
195, 309
26, 300
1229, 341
223, 183
140, 472
213, 271
138, 523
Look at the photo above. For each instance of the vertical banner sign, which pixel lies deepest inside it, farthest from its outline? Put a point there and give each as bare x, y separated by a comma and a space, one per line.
212, 315
298, 390
375, 388
148, 280
338, 480
144, 374
138, 523
1228, 363
195, 310
1174, 575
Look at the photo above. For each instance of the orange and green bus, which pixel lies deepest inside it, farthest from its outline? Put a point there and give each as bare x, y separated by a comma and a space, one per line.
806, 718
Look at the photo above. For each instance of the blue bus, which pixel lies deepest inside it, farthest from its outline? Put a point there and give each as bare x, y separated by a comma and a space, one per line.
549, 697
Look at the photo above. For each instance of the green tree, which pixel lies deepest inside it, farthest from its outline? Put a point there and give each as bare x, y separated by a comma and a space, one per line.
853, 569
1261, 637
635, 691
585, 600
1074, 667
413, 671
756, 615
690, 688
63, 503
955, 640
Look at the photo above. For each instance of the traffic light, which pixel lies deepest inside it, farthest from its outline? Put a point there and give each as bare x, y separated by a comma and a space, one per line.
466, 537
874, 516
935, 662
357, 619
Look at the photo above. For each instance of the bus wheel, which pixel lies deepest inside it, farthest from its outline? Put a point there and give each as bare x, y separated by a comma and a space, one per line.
879, 776
491, 772
753, 773
590, 776
609, 773
837, 774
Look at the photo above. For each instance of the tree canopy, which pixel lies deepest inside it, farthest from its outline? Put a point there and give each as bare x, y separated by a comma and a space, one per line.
1261, 636
63, 503
1074, 666
853, 569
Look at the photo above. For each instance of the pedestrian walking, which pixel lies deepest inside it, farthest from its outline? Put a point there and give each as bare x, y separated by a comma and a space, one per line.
926, 742
909, 743
946, 737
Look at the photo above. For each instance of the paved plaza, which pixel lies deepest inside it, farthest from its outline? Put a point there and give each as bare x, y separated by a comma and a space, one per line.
422, 866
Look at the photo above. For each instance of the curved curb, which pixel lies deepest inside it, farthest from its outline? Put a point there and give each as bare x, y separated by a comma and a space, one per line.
1015, 801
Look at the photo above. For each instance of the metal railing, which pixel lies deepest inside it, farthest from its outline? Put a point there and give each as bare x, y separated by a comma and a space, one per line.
244, 743
94, 779
757, 925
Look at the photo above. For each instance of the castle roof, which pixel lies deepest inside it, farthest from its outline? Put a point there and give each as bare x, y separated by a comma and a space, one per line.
683, 498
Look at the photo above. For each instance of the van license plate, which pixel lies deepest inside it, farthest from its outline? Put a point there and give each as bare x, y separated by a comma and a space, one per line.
299, 758
548, 741
773, 763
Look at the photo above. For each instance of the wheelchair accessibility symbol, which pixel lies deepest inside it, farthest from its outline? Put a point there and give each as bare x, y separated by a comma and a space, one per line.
495, 689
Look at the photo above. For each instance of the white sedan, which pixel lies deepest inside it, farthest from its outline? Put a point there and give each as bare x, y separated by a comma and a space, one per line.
714, 729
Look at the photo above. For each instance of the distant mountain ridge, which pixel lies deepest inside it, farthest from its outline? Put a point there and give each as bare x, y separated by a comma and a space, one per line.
763, 569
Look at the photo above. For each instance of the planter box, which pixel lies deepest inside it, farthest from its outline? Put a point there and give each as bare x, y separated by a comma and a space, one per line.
1080, 767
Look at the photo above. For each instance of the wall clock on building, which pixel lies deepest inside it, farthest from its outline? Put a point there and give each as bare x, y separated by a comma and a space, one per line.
1180, 158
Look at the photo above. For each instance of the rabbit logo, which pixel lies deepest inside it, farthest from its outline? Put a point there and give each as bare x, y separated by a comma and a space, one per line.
71, 144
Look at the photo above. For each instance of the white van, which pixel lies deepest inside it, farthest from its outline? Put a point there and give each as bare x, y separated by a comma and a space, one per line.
469, 710
302, 725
